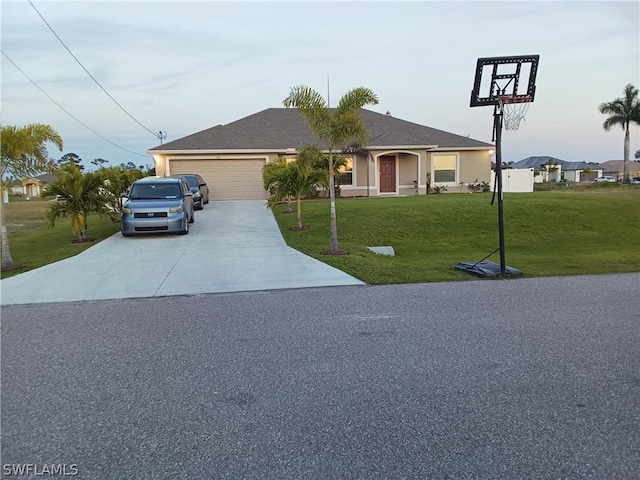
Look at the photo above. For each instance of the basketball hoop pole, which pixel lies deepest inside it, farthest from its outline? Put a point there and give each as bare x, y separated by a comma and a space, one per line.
497, 125
507, 83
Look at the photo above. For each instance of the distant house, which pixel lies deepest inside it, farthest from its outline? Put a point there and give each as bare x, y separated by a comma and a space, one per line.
580, 172
33, 186
16, 187
404, 159
551, 169
615, 169
546, 169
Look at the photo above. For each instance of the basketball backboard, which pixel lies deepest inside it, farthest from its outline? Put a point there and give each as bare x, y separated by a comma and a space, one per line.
504, 76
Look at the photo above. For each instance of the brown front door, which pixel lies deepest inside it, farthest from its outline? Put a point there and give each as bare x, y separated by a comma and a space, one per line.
387, 174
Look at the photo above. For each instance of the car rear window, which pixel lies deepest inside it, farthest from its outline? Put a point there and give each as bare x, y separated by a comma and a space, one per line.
192, 181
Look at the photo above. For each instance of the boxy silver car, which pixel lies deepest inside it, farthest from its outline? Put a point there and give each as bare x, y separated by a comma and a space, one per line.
157, 204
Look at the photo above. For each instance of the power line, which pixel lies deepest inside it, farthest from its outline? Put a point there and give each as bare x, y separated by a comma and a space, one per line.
65, 110
91, 76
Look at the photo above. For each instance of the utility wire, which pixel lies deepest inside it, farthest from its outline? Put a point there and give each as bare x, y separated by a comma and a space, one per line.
65, 110
155, 134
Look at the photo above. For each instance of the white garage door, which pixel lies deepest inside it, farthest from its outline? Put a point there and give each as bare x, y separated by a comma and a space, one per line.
237, 179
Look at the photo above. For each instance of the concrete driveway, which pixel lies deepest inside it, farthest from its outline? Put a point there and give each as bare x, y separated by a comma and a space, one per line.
231, 247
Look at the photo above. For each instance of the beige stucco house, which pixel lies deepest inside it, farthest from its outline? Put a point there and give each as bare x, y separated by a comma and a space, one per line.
34, 186
615, 169
405, 156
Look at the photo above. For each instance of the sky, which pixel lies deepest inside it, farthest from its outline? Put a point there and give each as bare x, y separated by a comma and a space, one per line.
183, 67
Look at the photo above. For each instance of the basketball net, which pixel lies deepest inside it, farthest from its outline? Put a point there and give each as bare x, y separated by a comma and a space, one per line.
513, 110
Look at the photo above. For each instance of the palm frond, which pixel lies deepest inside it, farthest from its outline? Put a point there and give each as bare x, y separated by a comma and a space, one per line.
622, 111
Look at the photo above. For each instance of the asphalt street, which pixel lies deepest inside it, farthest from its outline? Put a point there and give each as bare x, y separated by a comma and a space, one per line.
518, 379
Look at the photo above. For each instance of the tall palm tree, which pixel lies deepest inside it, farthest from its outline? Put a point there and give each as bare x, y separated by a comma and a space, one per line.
24, 154
335, 127
623, 111
82, 193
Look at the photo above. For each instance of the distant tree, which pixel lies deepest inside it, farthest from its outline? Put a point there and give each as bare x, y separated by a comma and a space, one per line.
623, 111
336, 127
131, 166
71, 159
637, 156
82, 194
24, 154
99, 162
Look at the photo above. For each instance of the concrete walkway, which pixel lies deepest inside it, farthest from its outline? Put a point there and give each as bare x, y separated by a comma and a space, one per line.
231, 247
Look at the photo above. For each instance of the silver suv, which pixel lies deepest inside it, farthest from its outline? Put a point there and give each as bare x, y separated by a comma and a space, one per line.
157, 204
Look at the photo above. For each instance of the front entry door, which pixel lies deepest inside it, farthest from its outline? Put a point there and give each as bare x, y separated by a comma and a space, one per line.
387, 174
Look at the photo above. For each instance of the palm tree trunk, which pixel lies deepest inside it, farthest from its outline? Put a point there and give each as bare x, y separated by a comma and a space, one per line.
625, 161
299, 213
7, 261
332, 199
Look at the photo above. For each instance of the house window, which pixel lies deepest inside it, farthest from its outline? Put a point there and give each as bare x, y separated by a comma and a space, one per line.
345, 176
445, 168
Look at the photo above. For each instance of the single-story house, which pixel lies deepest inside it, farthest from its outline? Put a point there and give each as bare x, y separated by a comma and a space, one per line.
551, 169
546, 169
580, 172
615, 169
16, 187
33, 187
404, 157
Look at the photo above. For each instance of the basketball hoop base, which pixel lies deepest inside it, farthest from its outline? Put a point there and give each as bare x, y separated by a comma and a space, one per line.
488, 269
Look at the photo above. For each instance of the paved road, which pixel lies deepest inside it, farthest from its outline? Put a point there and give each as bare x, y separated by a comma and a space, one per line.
519, 379
232, 246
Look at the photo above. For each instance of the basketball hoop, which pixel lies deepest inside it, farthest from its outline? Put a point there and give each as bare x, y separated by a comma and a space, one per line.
514, 108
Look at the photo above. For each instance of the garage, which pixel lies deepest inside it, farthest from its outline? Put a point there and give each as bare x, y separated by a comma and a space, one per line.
228, 179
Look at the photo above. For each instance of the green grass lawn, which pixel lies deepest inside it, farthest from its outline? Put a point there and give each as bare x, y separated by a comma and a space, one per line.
33, 244
568, 232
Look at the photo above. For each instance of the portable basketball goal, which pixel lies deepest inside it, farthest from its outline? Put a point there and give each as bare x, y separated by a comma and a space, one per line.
507, 83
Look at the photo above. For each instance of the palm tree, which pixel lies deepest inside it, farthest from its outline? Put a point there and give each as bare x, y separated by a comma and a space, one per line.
82, 193
298, 178
275, 180
24, 154
623, 111
335, 127
117, 180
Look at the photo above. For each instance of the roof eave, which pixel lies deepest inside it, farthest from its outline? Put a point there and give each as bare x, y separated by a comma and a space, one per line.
401, 147
218, 151
479, 147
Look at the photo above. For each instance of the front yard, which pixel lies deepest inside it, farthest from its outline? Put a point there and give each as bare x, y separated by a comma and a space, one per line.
570, 232
565, 232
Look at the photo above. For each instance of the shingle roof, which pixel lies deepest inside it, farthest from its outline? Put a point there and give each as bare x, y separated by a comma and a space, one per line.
282, 128
577, 166
536, 162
